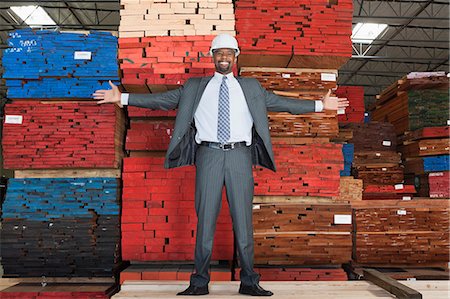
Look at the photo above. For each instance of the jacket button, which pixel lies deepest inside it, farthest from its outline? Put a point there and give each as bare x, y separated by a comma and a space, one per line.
179, 137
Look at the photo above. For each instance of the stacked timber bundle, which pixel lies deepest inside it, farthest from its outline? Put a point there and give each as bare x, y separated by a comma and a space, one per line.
302, 170
149, 135
291, 53
67, 290
350, 189
270, 273
426, 153
175, 18
158, 214
172, 272
416, 101
402, 233
61, 227
51, 64
376, 161
418, 106
308, 84
354, 113
39, 135
164, 43
161, 45
348, 151
66, 155
302, 234
300, 33
154, 64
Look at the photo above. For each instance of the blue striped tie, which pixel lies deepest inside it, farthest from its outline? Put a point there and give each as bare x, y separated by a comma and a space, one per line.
223, 119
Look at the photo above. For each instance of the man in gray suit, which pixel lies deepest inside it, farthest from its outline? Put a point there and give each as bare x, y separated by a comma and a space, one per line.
222, 128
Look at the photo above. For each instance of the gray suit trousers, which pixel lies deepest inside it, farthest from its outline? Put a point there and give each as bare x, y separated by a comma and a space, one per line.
216, 168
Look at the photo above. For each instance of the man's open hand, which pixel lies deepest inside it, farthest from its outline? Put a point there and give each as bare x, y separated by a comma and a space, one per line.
334, 103
108, 96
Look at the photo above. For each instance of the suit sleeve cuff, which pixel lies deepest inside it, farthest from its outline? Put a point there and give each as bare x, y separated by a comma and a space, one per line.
318, 106
124, 98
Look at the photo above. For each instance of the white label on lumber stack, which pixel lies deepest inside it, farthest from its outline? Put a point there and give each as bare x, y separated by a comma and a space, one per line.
384, 168
401, 212
286, 75
82, 55
378, 154
398, 186
342, 219
328, 77
406, 198
386, 143
13, 119
436, 174
341, 111
256, 207
448, 122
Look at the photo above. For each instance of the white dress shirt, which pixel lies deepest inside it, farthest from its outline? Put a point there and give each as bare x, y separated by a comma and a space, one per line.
241, 121
206, 115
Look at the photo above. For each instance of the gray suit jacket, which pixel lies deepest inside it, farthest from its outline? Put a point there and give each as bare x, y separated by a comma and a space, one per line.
182, 147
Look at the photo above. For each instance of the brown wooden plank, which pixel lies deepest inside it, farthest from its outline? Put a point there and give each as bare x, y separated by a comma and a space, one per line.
391, 285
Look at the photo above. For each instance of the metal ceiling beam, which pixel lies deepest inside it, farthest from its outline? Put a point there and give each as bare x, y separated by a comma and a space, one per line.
397, 31
76, 8
365, 19
74, 15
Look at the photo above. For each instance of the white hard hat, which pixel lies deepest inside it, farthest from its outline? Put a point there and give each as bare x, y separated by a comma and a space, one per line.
224, 41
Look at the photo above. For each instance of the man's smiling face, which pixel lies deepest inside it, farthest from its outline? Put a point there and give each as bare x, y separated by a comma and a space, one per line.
224, 59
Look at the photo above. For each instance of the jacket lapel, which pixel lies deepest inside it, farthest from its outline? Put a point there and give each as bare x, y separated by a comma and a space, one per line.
247, 95
201, 88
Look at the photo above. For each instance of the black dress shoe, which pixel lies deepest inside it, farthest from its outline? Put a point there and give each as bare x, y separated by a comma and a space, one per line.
194, 291
254, 290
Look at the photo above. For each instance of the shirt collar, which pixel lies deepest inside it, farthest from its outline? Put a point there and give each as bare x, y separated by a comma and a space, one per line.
219, 76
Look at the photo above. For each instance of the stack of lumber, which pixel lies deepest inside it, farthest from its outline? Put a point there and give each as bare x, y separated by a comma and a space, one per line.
301, 33
158, 214
354, 113
39, 135
416, 101
137, 112
60, 227
402, 233
69, 290
438, 183
426, 154
378, 167
52, 64
291, 54
350, 189
149, 135
302, 234
308, 84
171, 272
297, 274
164, 43
175, 18
376, 161
348, 151
157, 63
373, 136
62, 217
302, 170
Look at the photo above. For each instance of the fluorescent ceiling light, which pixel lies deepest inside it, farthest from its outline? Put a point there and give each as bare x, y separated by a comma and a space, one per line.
365, 33
33, 15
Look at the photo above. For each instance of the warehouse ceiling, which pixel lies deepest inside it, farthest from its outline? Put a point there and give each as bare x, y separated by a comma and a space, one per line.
416, 39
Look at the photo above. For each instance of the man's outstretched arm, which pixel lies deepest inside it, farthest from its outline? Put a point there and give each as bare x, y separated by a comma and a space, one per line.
161, 101
278, 103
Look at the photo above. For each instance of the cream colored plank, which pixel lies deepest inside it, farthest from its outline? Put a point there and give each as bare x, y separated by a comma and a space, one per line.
68, 173
282, 290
